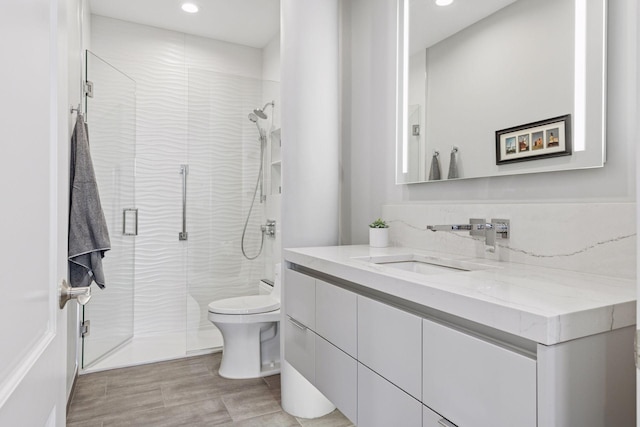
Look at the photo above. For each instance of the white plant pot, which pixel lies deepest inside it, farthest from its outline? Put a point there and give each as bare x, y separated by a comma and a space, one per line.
378, 237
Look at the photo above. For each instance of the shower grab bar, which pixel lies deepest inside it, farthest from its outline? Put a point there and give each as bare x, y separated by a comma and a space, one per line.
184, 171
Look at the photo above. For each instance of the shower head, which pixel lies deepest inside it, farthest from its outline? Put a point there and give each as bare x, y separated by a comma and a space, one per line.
260, 111
254, 119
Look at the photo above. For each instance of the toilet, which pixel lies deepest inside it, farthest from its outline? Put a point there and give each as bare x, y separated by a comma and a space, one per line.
250, 328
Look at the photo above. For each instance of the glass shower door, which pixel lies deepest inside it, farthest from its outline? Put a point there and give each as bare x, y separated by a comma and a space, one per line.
224, 162
110, 114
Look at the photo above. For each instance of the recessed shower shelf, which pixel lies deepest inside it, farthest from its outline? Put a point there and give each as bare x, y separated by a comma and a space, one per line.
276, 162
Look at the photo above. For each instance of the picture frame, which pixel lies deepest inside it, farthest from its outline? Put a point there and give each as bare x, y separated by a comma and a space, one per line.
534, 141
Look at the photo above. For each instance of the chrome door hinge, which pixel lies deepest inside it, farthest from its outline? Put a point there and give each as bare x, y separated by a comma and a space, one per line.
85, 328
88, 88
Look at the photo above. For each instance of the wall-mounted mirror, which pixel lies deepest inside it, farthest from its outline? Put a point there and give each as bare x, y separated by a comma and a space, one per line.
479, 80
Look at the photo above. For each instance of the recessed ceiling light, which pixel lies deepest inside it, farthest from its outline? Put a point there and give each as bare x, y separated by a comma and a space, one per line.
189, 7
444, 2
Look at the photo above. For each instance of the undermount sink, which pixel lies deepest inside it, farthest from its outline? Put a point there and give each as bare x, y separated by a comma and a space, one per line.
424, 264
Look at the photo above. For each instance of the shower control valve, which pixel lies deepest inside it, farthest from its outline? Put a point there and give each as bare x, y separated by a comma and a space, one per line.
269, 228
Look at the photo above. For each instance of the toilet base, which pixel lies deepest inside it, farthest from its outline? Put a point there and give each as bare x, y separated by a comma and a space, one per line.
266, 370
270, 369
245, 354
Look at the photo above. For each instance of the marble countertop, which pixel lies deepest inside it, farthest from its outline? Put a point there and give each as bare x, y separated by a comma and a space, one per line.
544, 305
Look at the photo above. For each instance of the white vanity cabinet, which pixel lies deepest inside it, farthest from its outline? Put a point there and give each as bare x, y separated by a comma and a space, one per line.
379, 364
390, 343
336, 351
336, 316
382, 404
300, 298
384, 361
473, 382
337, 377
433, 419
299, 322
320, 337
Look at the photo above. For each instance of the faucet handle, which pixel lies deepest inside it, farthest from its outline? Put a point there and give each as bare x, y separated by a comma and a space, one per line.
477, 226
497, 228
502, 227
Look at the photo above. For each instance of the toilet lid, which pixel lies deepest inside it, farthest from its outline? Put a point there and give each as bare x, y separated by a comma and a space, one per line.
245, 305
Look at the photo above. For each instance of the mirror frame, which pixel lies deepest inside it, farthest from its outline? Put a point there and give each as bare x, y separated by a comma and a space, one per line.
589, 112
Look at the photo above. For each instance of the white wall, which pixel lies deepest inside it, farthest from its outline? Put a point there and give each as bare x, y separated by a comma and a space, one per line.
368, 114
271, 60
369, 59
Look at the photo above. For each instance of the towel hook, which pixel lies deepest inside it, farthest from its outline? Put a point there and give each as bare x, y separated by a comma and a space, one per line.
77, 109
436, 153
454, 149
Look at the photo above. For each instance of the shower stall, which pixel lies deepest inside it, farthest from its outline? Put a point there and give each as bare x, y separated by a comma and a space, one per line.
178, 172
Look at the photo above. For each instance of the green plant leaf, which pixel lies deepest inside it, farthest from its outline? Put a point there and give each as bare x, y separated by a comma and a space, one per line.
378, 223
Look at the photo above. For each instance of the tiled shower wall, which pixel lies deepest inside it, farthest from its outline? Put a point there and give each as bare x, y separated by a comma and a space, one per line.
193, 96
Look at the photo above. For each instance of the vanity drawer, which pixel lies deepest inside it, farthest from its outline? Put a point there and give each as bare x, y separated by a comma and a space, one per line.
300, 297
432, 419
300, 348
473, 382
336, 316
337, 377
390, 343
382, 404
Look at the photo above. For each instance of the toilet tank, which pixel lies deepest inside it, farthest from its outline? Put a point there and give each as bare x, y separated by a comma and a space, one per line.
265, 287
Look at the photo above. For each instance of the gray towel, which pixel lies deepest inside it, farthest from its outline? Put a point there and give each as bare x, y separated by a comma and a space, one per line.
453, 165
88, 234
434, 173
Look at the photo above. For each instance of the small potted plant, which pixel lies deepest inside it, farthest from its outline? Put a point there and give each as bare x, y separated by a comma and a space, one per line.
378, 234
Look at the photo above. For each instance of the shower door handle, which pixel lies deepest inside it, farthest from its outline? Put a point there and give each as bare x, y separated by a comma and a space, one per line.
129, 215
184, 171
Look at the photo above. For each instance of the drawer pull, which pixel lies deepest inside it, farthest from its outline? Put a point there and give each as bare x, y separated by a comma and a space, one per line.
297, 324
446, 423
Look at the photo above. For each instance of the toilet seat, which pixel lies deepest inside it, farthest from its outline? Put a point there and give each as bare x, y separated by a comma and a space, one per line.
252, 304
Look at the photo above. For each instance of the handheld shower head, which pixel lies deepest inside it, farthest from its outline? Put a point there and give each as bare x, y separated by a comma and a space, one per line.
259, 112
254, 119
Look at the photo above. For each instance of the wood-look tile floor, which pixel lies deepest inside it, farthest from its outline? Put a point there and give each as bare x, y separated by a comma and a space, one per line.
183, 392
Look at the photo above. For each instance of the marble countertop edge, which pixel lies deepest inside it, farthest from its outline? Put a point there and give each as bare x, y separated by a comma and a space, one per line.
544, 305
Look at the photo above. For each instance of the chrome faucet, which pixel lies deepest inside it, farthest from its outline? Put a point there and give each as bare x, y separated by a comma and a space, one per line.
480, 227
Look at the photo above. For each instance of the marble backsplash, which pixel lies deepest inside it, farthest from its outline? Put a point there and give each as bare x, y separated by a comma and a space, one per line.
597, 238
